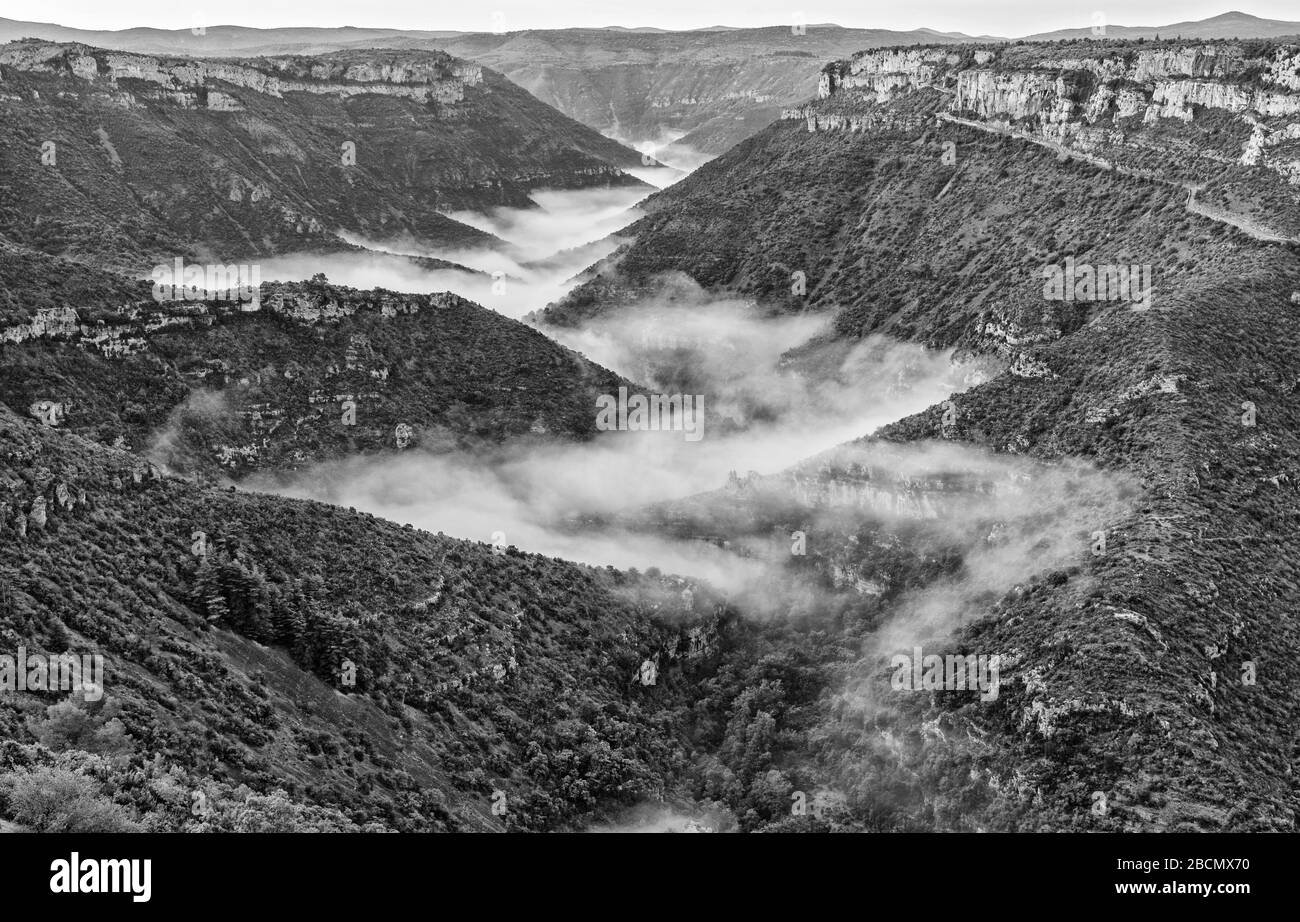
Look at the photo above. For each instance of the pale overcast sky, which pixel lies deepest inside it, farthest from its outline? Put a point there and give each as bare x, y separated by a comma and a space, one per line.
999, 17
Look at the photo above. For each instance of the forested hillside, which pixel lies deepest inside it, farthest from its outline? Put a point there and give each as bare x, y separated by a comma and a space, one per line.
132, 160
316, 372
307, 666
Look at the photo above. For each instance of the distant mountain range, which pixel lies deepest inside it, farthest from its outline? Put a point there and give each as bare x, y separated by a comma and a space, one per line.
703, 90
209, 40
1226, 25
225, 39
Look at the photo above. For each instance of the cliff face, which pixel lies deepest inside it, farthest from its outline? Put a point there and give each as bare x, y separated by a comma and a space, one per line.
1184, 113
134, 159
185, 81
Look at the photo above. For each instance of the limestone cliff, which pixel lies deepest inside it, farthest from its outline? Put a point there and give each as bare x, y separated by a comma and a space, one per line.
1187, 113
188, 81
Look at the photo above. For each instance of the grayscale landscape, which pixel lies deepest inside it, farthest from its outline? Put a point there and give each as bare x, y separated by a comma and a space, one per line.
773, 426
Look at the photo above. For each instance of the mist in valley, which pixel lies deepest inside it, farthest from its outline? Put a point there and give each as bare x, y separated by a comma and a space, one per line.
534, 258
776, 388
787, 407
536, 496
666, 148
759, 414
1008, 521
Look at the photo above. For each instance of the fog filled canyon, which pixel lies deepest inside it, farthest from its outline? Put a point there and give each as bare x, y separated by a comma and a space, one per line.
725, 350
784, 429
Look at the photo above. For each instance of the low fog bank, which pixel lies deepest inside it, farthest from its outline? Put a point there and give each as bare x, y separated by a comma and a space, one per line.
679, 160
1014, 518
932, 531
657, 817
562, 220
518, 497
757, 416
734, 354
1008, 519
542, 249
661, 177
763, 413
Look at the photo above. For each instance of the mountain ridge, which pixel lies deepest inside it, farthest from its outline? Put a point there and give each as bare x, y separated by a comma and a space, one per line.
271, 155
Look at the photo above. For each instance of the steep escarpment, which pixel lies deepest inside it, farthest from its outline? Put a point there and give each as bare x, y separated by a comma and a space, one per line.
1218, 117
309, 372
134, 159
902, 228
893, 202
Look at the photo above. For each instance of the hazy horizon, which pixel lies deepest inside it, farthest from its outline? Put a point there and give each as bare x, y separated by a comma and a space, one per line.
1016, 18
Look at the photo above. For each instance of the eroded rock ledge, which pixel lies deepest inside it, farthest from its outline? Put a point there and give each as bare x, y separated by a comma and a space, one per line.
1111, 99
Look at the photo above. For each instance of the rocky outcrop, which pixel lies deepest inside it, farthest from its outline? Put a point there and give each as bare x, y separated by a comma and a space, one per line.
883, 119
1111, 104
1157, 384
55, 497
53, 321
187, 81
881, 73
37, 517
1026, 366
125, 333
128, 331
1175, 99
299, 303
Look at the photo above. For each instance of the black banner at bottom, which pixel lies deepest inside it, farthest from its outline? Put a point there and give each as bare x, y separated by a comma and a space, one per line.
142, 873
